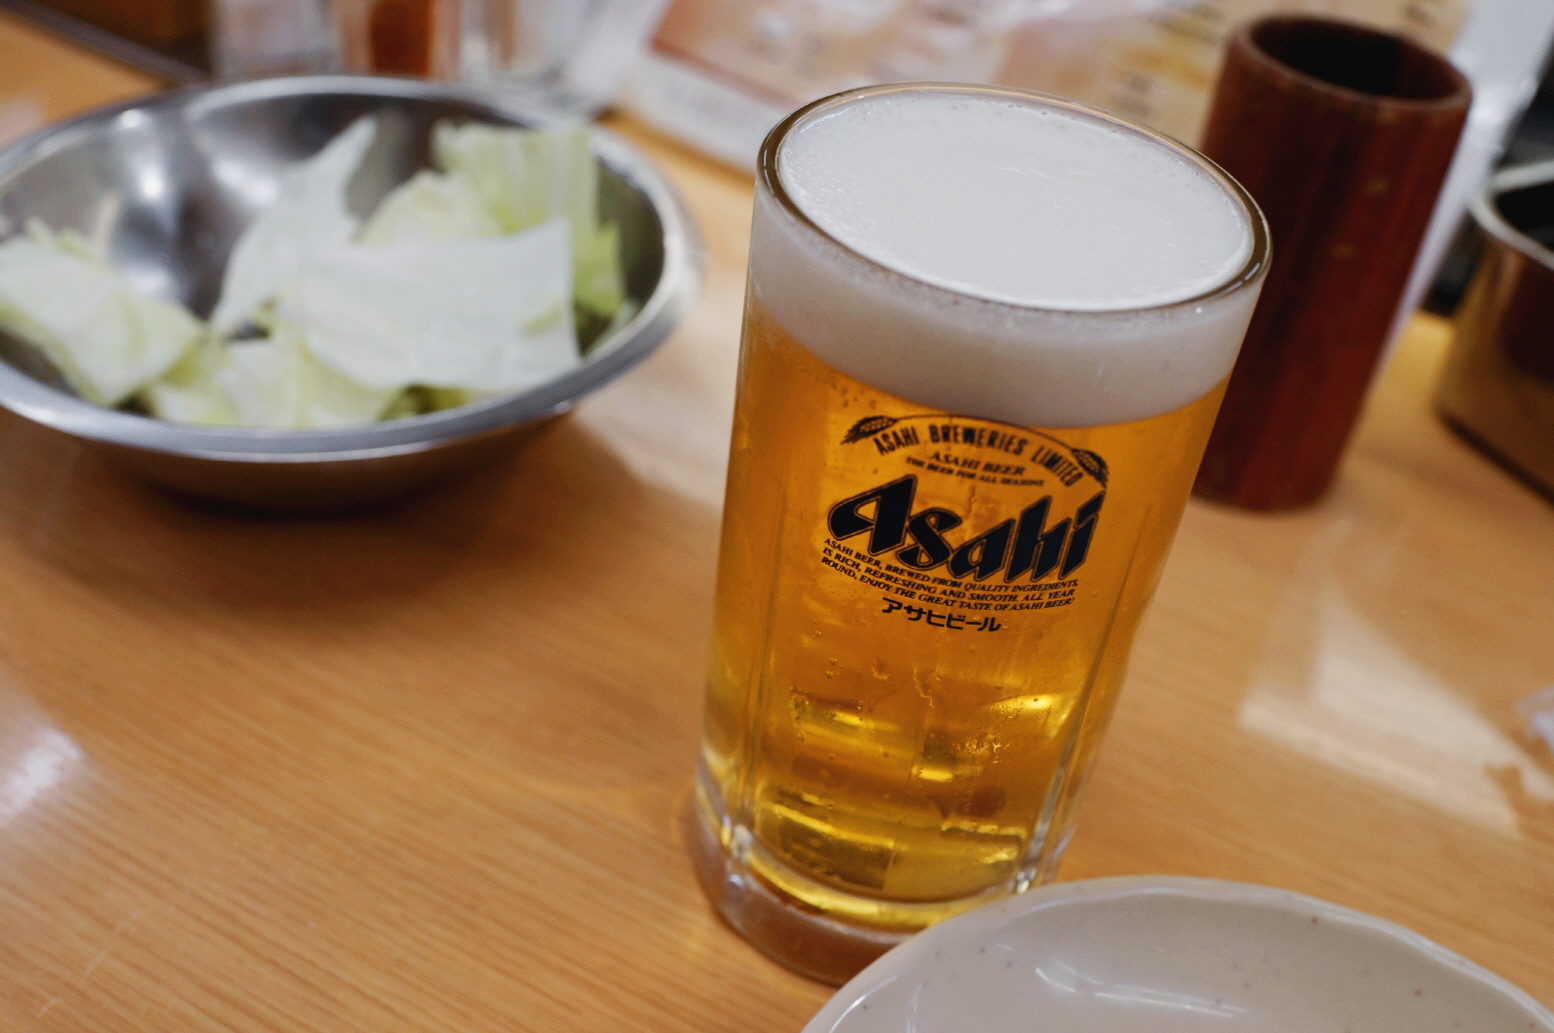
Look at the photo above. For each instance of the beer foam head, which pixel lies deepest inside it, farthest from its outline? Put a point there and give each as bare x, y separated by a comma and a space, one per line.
1000, 254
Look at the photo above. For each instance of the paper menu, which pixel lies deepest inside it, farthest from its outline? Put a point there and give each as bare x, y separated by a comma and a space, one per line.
720, 73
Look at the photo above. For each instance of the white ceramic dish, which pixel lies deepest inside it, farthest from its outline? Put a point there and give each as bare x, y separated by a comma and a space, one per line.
1157, 954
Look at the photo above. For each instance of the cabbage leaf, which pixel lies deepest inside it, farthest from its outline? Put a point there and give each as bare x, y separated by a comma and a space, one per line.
268, 382
428, 207
309, 214
489, 314
106, 337
525, 176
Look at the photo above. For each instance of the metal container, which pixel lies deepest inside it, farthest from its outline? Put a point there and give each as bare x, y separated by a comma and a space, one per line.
1498, 389
164, 186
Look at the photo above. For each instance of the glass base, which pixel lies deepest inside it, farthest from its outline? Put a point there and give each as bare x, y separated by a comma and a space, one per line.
757, 894
810, 944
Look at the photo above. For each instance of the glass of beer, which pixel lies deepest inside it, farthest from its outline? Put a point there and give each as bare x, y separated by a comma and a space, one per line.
986, 335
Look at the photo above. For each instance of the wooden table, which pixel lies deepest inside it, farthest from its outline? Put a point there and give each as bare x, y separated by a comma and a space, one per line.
428, 769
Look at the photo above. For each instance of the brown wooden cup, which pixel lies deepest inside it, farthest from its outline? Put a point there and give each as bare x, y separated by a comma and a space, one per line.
1343, 136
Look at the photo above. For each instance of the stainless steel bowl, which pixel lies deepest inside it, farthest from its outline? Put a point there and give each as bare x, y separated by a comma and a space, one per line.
164, 186
1498, 386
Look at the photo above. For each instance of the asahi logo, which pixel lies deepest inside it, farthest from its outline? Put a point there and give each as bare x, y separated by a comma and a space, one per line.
1020, 547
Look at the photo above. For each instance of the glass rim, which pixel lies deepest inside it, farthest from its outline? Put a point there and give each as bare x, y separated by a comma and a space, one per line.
1256, 265
1252, 37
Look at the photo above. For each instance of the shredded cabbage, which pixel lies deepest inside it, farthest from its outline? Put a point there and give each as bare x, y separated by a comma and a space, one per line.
466, 283
431, 207
490, 314
107, 338
269, 382
309, 214
527, 176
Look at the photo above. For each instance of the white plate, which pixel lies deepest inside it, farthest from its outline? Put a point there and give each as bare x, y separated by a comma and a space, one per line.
1157, 954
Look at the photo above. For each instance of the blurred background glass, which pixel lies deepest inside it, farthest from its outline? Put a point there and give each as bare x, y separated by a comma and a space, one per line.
567, 54
268, 37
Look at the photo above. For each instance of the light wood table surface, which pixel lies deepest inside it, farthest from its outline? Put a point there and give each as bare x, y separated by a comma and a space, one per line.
428, 769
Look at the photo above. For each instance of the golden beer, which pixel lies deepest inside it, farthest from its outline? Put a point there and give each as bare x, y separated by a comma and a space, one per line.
923, 616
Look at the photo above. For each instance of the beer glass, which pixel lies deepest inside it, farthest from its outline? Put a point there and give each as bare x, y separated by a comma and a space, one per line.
986, 335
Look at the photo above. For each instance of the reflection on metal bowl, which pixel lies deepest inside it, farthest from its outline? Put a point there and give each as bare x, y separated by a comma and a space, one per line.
164, 186
1499, 384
